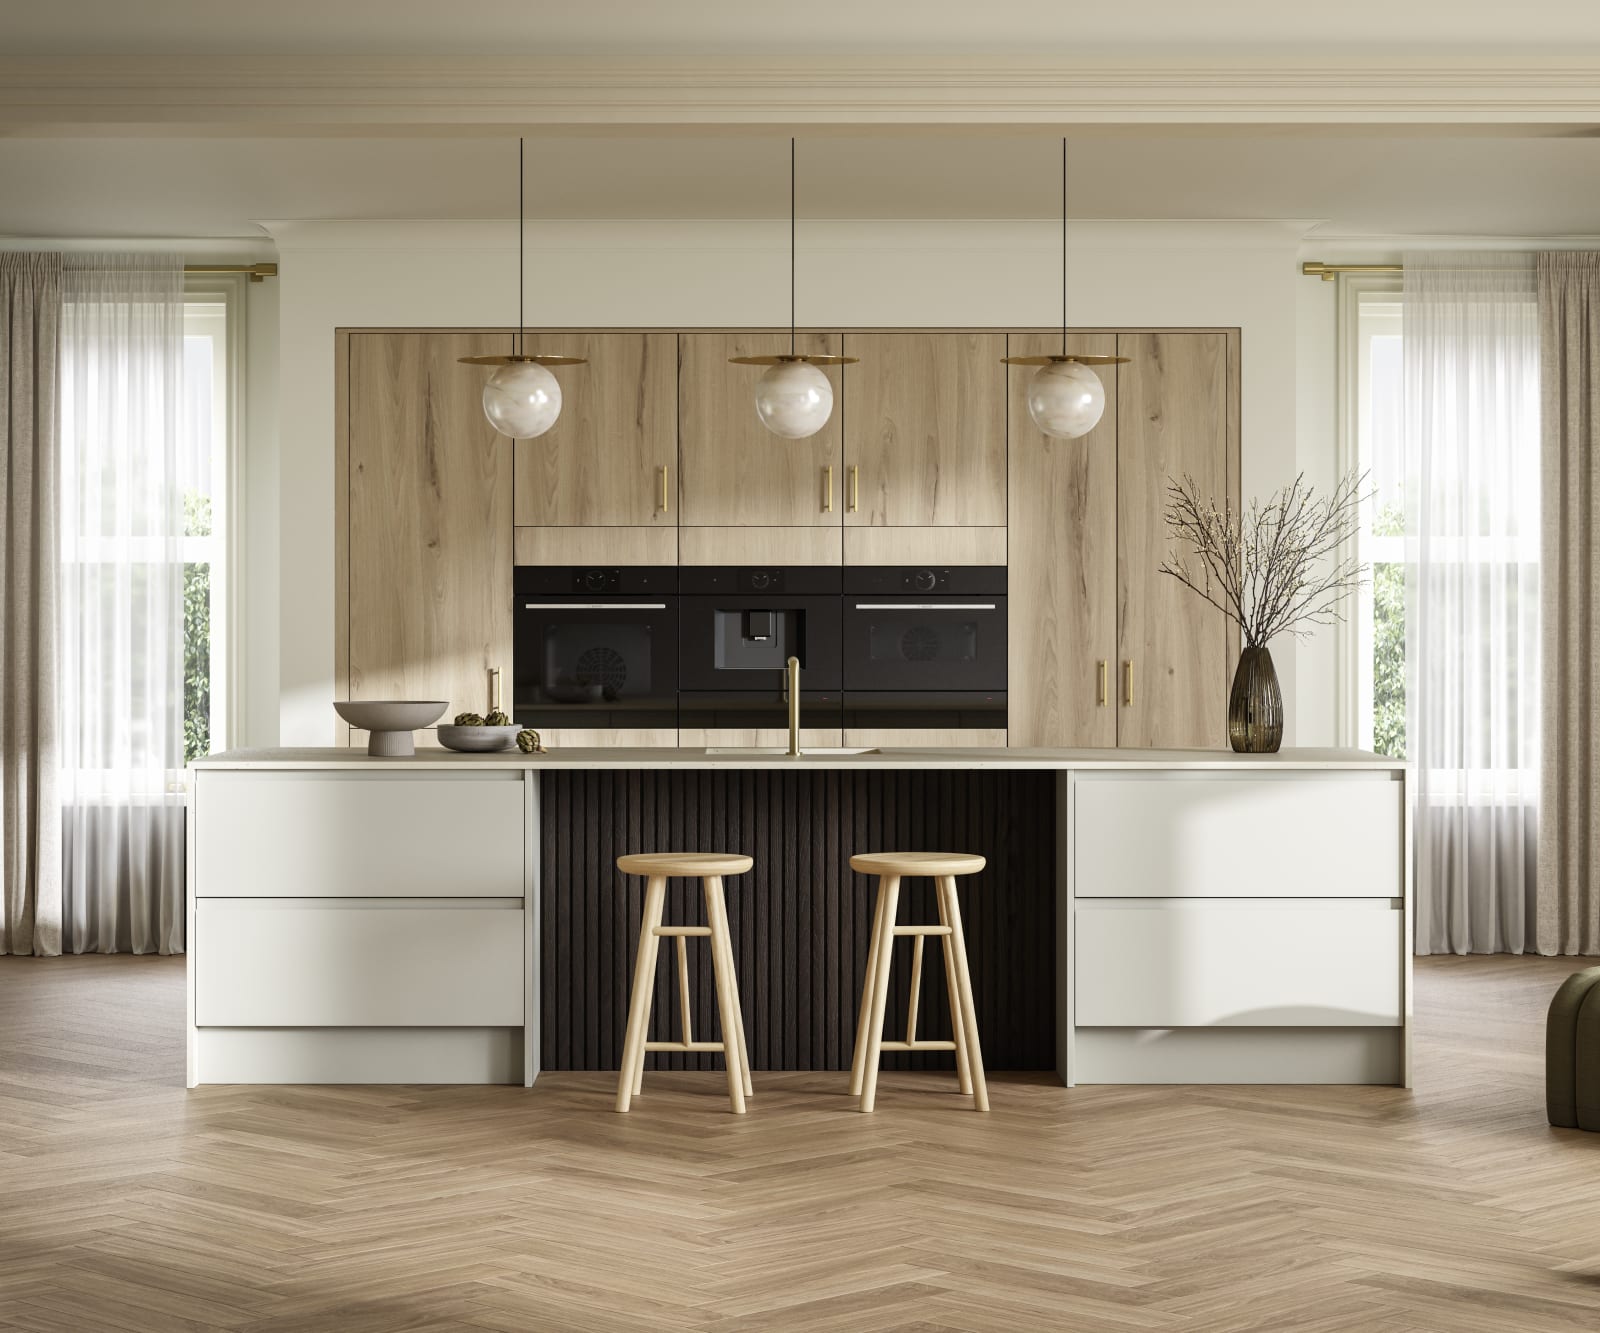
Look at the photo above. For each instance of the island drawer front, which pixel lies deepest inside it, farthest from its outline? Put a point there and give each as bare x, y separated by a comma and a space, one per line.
1216, 836
362, 963
332, 835
1144, 964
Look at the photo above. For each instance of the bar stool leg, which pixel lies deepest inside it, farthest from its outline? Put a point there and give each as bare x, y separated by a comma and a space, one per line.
644, 984
880, 990
953, 986
727, 994
969, 1018
726, 939
858, 1065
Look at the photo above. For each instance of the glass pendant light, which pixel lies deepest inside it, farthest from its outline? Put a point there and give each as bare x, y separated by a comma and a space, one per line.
522, 398
794, 398
1065, 397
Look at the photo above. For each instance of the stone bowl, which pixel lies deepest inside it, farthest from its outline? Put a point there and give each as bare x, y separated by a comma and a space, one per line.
390, 722
478, 740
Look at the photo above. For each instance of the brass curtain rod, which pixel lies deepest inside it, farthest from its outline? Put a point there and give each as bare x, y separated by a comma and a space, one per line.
1314, 268
256, 271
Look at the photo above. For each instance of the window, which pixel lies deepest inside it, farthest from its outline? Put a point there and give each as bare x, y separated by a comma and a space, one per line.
202, 473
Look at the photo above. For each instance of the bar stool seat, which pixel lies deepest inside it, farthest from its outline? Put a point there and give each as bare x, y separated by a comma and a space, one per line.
942, 868
658, 868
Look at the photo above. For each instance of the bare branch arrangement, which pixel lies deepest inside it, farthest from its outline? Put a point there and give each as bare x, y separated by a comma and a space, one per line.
1275, 569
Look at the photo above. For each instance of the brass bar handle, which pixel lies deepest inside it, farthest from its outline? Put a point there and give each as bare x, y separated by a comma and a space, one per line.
1103, 695
666, 506
827, 489
1127, 683
855, 489
494, 689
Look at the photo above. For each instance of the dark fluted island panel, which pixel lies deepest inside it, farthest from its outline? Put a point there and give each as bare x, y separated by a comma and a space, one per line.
801, 919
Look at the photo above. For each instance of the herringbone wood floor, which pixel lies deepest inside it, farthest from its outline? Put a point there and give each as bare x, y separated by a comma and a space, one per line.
127, 1203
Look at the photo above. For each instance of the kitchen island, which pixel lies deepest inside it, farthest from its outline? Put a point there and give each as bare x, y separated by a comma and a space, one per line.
1146, 916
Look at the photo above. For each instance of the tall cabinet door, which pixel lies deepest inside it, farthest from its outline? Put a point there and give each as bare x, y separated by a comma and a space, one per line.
925, 430
736, 473
1063, 564
1172, 421
429, 558
611, 458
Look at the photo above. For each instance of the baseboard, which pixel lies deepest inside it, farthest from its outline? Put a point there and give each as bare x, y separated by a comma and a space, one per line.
1238, 1055
357, 1055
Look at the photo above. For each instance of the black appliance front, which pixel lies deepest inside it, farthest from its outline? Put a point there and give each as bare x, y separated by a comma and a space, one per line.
925, 631
596, 646
741, 625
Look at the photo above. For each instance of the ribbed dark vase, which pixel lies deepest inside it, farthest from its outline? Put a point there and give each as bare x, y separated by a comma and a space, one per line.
1255, 705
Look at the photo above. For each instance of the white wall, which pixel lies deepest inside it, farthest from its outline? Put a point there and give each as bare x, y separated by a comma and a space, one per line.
684, 274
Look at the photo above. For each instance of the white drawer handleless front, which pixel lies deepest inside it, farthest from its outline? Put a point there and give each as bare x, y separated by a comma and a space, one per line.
380, 835
1224, 836
358, 963
1238, 964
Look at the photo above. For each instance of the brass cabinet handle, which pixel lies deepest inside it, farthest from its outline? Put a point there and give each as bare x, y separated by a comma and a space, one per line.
1127, 683
494, 689
855, 489
1103, 695
827, 489
665, 503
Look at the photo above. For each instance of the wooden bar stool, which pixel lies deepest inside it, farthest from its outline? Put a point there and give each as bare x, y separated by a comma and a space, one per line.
891, 868
659, 867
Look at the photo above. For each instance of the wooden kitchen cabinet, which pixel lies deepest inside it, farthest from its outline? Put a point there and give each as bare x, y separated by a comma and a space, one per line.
735, 472
1105, 649
925, 430
1174, 650
1062, 581
427, 530
611, 458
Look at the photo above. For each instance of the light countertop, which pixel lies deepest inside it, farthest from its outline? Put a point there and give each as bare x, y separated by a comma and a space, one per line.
430, 759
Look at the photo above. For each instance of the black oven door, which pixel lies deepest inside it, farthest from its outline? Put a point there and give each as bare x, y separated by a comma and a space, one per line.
601, 663
927, 643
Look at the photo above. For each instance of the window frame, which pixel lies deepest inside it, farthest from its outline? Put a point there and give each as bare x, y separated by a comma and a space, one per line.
229, 680
1353, 635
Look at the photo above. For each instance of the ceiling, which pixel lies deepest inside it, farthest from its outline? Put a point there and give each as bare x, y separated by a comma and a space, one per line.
1364, 184
1180, 29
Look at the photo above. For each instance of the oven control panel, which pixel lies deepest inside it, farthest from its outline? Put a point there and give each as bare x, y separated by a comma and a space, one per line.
925, 580
597, 580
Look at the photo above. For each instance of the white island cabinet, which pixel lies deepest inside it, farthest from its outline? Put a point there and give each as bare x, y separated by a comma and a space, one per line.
1219, 918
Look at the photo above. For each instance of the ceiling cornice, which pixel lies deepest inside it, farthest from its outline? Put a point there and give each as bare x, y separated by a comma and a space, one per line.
270, 96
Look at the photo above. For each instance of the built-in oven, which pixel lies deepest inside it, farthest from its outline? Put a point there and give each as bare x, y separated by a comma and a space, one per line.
595, 647
924, 647
740, 626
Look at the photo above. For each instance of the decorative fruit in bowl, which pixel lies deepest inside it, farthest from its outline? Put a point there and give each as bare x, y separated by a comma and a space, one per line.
496, 719
468, 720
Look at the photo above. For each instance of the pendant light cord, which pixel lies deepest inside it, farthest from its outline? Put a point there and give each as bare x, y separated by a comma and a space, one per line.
791, 246
520, 341
1063, 245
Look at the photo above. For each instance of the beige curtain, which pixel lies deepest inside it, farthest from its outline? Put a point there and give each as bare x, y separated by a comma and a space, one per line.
30, 809
1569, 824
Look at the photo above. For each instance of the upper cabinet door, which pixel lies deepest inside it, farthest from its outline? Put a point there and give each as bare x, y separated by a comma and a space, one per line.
429, 522
1173, 418
1063, 558
611, 458
737, 473
925, 430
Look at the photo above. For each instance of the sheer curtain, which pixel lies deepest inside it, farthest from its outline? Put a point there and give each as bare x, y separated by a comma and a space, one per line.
121, 635
1471, 353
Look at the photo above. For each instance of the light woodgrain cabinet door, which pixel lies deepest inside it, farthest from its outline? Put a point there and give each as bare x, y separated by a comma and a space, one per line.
429, 557
735, 472
1062, 584
925, 430
611, 458
1172, 421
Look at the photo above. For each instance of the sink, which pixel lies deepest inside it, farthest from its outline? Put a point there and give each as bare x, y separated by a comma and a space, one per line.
784, 749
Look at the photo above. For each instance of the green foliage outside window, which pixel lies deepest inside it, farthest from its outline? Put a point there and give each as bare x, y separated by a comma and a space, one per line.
1389, 643
196, 634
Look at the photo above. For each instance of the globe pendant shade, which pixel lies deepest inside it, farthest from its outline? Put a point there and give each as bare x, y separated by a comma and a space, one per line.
522, 400
1066, 399
794, 399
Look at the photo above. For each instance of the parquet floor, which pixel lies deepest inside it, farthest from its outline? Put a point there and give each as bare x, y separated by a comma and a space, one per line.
127, 1203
